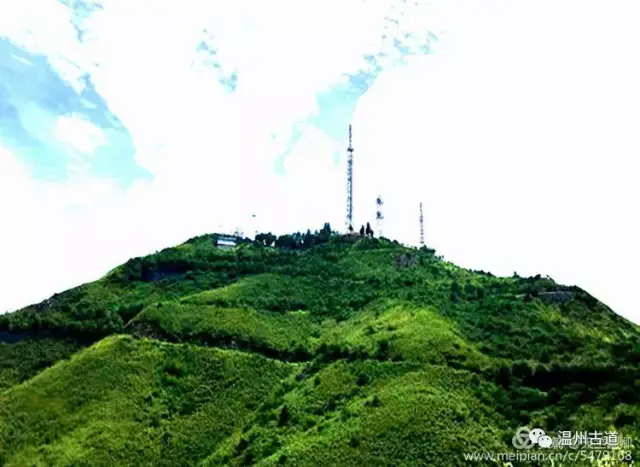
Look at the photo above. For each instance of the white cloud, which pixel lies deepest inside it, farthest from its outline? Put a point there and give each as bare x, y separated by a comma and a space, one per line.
28, 236
79, 133
45, 26
211, 152
516, 135
313, 191
521, 139
22, 60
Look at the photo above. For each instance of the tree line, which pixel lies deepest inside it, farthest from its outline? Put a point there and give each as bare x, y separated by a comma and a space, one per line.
299, 240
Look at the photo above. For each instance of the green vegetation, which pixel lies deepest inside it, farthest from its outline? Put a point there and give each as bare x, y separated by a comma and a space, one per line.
131, 401
307, 349
274, 335
24, 359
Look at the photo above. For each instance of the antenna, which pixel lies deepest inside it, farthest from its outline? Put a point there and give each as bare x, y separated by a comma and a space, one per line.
421, 226
379, 216
254, 225
350, 185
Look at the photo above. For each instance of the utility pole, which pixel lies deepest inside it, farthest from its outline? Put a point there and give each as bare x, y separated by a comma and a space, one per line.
254, 225
421, 226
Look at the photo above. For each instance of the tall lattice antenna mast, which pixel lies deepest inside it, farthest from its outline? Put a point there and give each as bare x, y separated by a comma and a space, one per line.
379, 216
421, 226
350, 185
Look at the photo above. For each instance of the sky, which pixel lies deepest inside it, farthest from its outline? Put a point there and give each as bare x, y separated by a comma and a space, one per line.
128, 126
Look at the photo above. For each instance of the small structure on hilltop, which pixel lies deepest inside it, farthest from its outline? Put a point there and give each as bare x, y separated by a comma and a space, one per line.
226, 242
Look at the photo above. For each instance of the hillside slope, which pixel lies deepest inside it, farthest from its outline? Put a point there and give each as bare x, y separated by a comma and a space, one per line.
321, 350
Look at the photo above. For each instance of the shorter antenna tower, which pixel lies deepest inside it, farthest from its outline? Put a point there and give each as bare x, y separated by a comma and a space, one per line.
421, 226
254, 225
379, 216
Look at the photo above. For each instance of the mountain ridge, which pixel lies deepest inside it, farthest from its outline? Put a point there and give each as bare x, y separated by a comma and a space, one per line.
357, 329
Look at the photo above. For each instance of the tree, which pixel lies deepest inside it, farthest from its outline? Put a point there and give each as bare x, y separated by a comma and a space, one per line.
308, 239
284, 416
350, 228
431, 251
325, 233
297, 239
265, 239
504, 377
285, 241
270, 239
456, 291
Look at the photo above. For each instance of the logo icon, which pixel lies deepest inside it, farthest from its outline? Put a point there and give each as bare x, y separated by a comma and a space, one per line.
526, 438
545, 441
535, 434
522, 439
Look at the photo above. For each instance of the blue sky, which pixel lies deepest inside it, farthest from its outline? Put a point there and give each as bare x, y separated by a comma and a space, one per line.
35, 98
125, 129
39, 104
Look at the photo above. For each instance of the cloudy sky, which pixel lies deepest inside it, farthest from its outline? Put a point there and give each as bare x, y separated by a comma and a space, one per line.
127, 126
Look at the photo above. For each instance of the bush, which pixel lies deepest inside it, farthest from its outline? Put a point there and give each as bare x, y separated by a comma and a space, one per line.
284, 416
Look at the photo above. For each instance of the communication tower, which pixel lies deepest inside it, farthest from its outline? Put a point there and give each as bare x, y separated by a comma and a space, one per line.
349, 221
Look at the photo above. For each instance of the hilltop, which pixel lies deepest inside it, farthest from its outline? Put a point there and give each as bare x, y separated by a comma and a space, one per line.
307, 349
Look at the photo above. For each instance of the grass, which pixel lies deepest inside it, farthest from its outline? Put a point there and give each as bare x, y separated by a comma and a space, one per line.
274, 334
324, 351
134, 402
24, 359
369, 413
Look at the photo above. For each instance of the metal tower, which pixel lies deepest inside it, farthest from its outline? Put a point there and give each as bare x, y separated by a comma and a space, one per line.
379, 216
254, 225
349, 222
421, 226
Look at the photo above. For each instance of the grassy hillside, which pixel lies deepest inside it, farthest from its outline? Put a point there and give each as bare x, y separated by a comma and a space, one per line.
137, 402
320, 350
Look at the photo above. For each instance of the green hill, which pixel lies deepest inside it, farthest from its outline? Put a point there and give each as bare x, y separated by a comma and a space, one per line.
308, 349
